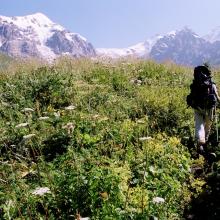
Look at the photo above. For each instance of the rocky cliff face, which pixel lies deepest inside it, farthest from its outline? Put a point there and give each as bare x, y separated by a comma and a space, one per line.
37, 36
60, 44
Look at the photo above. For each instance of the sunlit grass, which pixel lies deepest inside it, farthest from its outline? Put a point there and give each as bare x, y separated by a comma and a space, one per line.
99, 138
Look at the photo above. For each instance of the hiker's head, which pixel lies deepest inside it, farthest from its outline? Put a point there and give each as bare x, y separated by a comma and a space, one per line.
202, 71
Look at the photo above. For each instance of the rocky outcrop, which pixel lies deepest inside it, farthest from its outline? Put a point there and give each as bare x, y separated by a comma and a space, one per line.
60, 44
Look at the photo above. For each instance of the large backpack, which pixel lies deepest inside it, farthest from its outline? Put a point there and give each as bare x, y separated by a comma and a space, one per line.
202, 93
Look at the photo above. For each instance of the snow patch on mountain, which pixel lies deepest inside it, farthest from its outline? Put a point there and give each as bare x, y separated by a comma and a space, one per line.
213, 35
139, 50
136, 51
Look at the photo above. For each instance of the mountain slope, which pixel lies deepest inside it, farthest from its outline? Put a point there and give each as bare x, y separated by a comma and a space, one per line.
37, 36
182, 47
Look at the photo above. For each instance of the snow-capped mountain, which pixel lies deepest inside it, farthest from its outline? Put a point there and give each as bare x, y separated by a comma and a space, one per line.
37, 36
180, 46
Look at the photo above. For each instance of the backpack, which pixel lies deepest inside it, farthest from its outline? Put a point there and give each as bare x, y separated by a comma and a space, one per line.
202, 93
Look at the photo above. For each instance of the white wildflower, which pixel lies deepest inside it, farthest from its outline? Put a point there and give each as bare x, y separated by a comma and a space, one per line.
56, 114
22, 125
136, 81
152, 170
10, 203
10, 85
43, 118
145, 138
69, 126
103, 119
141, 121
29, 136
41, 191
28, 110
71, 107
132, 80
80, 218
95, 116
158, 200
5, 103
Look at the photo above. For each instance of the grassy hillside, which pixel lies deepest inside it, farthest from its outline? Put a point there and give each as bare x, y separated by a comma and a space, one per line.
5, 61
102, 139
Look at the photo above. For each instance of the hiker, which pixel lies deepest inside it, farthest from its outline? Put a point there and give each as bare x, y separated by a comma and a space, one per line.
203, 99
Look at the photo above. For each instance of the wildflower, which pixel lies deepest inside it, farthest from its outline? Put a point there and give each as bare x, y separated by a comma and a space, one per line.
104, 195
103, 119
141, 121
28, 110
70, 127
56, 114
136, 81
43, 118
152, 170
10, 203
158, 200
5, 103
41, 191
132, 81
145, 138
29, 136
71, 107
95, 116
78, 217
22, 125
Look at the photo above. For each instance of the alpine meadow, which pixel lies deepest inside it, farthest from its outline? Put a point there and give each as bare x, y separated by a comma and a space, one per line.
110, 139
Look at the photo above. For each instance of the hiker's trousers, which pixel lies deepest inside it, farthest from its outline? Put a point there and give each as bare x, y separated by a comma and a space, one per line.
203, 122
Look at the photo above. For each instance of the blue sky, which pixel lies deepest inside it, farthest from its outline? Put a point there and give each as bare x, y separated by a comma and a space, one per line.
121, 23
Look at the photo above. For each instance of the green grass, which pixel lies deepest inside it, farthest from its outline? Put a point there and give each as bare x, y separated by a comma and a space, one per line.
121, 143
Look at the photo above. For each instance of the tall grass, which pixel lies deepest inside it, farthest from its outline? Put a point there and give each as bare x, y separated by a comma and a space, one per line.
101, 139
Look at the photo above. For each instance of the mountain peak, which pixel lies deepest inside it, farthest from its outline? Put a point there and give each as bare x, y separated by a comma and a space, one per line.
40, 17
36, 35
38, 14
33, 20
184, 30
